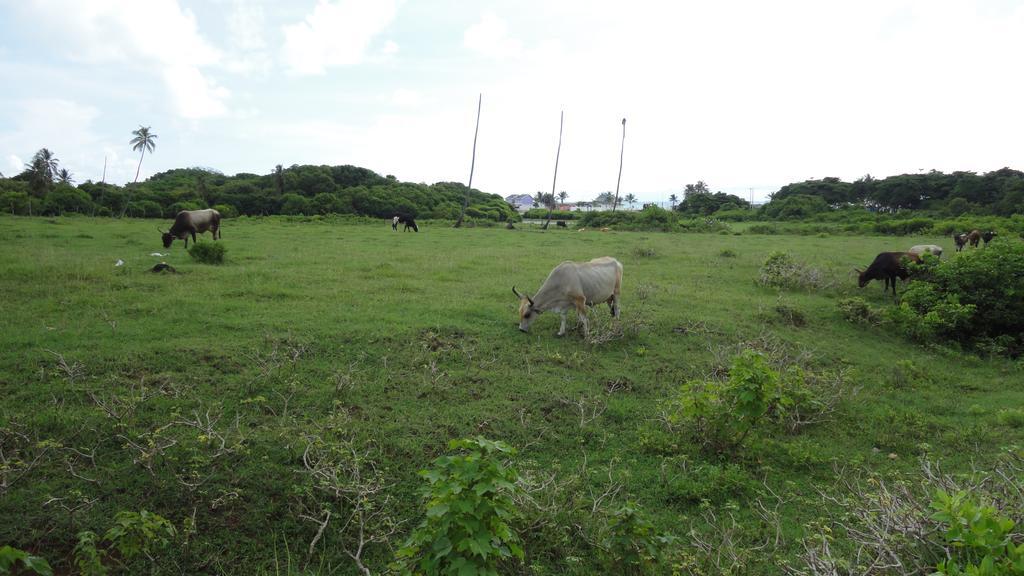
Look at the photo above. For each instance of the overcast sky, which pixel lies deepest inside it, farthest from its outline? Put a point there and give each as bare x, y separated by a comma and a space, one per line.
740, 94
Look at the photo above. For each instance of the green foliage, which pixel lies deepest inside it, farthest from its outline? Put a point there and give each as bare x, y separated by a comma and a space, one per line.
1013, 417
978, 537
727, 253
11, 557
542, 213
720, 415
633, 544
469, 507
208, 252
88, 557
134, 534
976, 299
699, 201
857, 310
137, 533
782, 270
226, 210
794, 207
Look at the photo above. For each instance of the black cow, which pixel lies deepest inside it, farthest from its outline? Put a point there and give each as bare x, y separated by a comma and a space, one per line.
988, 236
561, 224
887, 266
409, 223
961, 241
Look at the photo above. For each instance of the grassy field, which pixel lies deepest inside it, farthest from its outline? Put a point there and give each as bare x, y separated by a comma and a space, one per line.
196, 395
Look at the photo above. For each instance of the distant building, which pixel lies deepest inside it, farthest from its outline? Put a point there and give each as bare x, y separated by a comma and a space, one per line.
521, 202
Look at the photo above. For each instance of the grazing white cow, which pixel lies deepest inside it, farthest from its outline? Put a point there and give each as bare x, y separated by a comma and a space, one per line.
573, 285
927, 249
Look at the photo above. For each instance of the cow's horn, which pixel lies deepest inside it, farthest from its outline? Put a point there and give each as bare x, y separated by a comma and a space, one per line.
516, 292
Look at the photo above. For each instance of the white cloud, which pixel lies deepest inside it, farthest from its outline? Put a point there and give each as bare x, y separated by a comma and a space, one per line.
247, 47
489, 37
16, 165
335, 34
406, 98
154, 33
68, 129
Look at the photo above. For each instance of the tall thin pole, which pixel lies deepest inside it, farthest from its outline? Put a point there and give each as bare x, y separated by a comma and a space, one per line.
472, 164
622, 152
558, 153
104, 179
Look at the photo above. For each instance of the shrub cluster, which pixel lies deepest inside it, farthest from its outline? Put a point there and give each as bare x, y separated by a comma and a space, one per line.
974, 299
208, 252
781, 270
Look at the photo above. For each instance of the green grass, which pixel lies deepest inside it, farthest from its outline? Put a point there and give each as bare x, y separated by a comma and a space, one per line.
398, 342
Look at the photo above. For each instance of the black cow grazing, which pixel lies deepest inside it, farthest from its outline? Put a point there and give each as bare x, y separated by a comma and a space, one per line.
887, 266
561, 224
189, 222
988, 236
961, 241
974, 237
409, 223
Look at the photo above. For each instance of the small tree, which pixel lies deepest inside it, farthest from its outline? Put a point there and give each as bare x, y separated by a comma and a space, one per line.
673, 200
630, 199
469, 504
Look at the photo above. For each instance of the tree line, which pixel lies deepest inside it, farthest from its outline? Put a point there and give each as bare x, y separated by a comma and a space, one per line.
43, 188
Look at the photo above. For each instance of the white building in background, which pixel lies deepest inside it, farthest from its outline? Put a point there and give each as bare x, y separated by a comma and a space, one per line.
521, 202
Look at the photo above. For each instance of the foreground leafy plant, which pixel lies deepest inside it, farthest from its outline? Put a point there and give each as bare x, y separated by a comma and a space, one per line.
469, 504
633, 544
978, 536
134, 534
10, 557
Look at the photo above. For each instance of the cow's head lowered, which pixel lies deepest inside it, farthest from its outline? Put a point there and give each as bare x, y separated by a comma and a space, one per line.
167, 237
527, 313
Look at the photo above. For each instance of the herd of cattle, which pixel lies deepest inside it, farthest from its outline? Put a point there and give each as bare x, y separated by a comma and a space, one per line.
576, 285
889, 266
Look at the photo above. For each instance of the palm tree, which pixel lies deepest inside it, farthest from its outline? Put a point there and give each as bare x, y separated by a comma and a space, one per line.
673, 199
42, 170
64, 176
472, 163
630, 199
562, 196
622, 152
279, 180
144, 140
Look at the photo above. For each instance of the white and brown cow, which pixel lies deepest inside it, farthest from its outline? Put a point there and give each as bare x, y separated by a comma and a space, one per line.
573, 285
191, 222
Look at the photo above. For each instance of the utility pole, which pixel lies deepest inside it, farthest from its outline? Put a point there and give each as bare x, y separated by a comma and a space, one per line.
104, 179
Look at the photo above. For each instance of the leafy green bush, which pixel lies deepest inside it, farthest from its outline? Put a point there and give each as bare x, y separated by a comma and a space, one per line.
469, 505
226, 210
208, 252
975, 299
781, 270
633, 544
727, 253
720, 415
10, 557
857, 310
133, 535
978, 538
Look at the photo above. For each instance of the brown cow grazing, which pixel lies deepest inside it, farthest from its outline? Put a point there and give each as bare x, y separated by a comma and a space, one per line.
189, 222
974, 237
961, 241
887, 266
988, 236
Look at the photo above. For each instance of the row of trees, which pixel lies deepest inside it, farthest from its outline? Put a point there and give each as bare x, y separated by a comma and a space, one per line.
999, 193
307, 190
